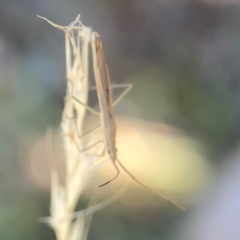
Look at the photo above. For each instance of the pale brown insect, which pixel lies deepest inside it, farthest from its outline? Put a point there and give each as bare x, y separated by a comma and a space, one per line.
108, 124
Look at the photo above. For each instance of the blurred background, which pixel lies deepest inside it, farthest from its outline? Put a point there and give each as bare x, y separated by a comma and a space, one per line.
178, 129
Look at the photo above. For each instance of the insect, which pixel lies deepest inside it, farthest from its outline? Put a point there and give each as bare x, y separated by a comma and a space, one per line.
107, 119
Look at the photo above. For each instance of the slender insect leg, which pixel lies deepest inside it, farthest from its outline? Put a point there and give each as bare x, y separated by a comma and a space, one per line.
86, 106
116, 167
81, 136
163, 196
128, 87
82, 150
91, 146
82, 103
91, 130
123, 94
87, 133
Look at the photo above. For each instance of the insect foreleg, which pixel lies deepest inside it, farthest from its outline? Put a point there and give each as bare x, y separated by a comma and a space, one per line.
127, 87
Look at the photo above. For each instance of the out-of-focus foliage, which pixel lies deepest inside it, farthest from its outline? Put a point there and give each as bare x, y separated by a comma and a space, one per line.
182, 57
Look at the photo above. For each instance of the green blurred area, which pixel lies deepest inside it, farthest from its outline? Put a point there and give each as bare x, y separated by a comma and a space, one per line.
206, 110
183, 60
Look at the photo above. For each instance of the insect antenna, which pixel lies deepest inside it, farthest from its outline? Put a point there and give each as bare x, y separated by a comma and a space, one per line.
116, 167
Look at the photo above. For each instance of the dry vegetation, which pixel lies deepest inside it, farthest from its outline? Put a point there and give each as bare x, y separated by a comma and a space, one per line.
79, 163
81, 156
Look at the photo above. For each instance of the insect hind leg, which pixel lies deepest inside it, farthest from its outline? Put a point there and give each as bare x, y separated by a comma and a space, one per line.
163, 196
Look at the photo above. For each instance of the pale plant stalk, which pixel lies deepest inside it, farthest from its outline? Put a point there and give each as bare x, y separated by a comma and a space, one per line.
67, 224
78, 164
